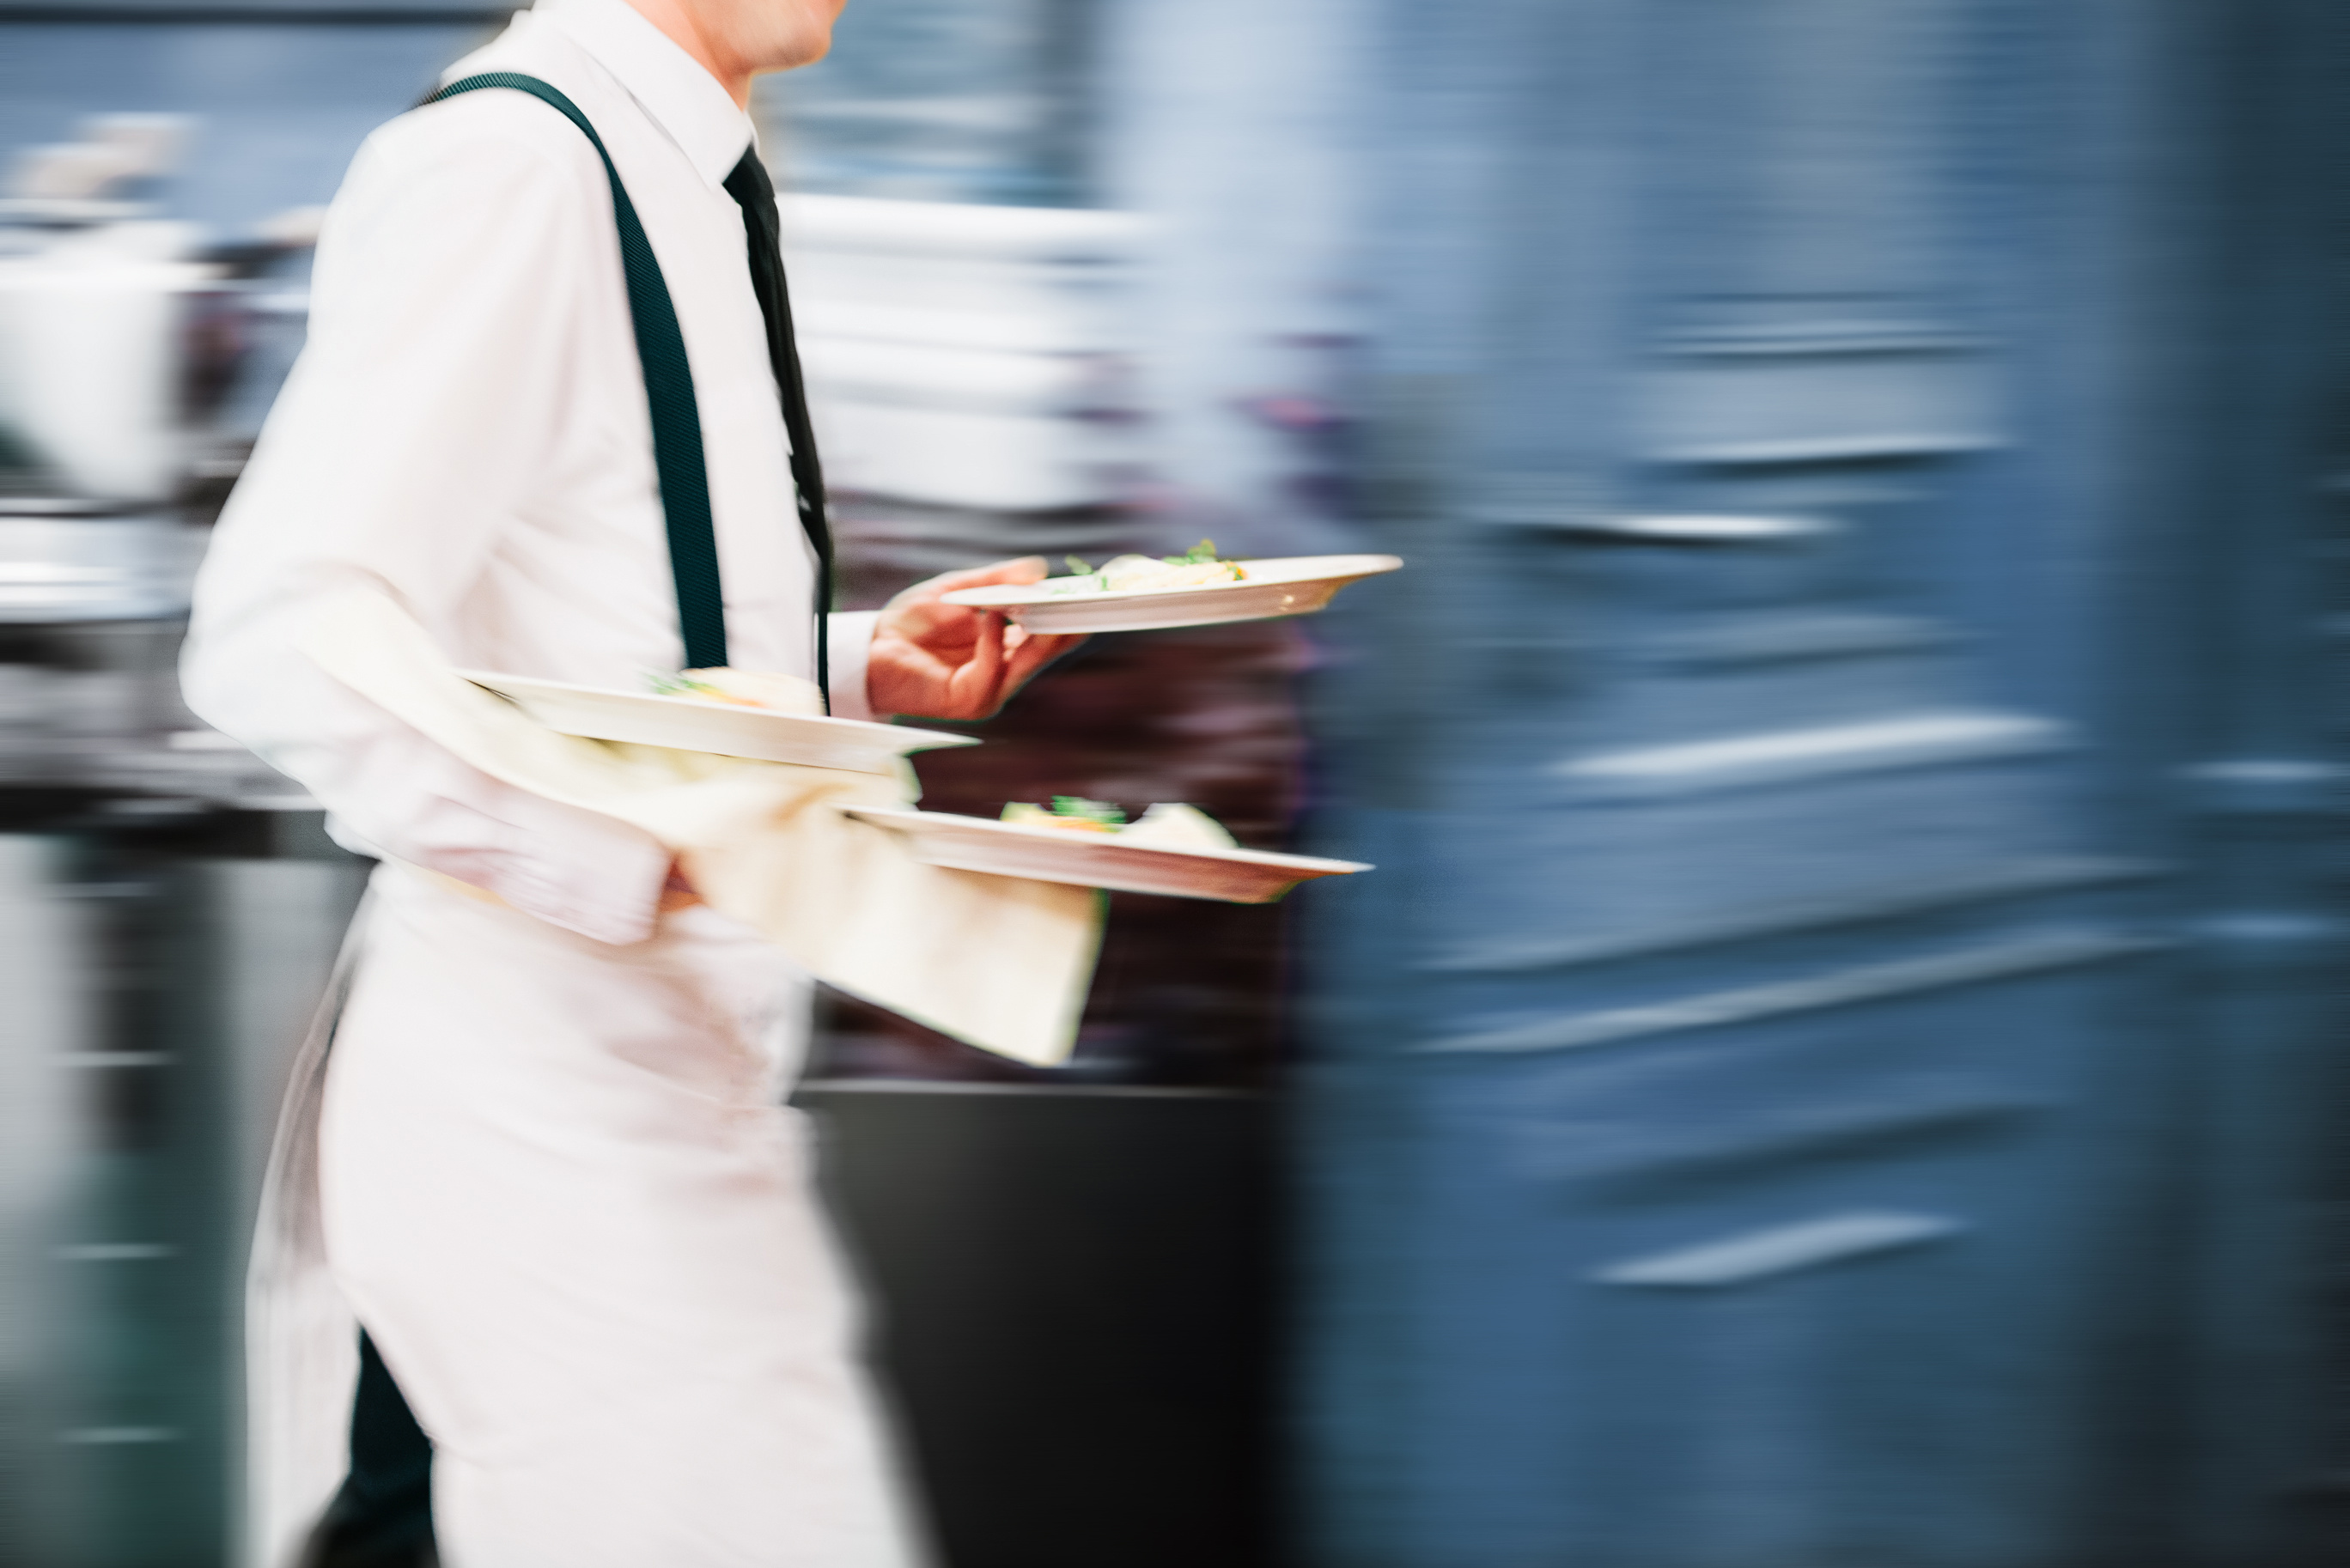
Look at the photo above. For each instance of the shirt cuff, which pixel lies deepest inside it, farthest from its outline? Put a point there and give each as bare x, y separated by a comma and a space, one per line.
850, 645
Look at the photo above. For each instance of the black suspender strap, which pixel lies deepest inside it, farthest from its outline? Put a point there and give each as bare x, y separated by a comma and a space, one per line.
669, 388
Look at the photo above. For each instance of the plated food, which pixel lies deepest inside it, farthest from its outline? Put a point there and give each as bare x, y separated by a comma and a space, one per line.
1169, 825
739, 688
1198, 587
1197, 567
1173, 849
728, 712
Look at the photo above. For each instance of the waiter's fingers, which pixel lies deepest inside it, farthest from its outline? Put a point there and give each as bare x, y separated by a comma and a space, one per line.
1025, 569
977, 685
1019, 569
1013, 653
921, 614
1029, 654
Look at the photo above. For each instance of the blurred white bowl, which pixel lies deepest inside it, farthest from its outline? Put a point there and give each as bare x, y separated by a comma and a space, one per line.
89, 365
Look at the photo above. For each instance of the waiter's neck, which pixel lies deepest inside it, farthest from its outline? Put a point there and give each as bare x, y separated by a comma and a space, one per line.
694, 27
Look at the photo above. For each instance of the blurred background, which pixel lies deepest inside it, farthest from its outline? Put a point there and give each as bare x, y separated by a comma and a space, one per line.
1840, 1064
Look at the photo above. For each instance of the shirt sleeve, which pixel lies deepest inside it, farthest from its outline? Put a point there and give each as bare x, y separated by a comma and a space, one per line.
850, 645
448, 280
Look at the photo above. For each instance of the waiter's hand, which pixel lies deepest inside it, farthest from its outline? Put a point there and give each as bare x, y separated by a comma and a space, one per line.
938, 660
677, 893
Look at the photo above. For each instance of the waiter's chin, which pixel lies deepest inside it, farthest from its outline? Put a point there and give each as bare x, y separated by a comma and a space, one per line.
772, 35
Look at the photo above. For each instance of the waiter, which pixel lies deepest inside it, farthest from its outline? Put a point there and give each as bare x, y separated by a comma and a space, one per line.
544, 1167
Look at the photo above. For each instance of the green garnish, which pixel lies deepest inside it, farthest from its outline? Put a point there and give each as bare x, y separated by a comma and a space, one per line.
1137, 572
1098, 816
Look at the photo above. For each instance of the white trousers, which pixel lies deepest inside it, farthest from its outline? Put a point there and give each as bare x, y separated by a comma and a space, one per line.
553, 1180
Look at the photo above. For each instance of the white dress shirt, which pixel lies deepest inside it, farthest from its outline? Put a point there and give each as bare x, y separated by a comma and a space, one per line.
467, 428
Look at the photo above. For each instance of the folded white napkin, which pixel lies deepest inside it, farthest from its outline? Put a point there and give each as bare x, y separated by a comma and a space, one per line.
1001, 962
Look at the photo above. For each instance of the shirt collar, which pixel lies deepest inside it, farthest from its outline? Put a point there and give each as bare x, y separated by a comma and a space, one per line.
683, 99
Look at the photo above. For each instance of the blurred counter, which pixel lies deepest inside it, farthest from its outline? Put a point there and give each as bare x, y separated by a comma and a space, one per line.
161, 957
93, 603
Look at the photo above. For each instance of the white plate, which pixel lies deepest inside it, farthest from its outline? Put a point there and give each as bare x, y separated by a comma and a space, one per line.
651, 720
1291, 585
1098, 859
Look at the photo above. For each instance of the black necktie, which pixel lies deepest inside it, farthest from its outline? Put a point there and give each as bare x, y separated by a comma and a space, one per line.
750, 186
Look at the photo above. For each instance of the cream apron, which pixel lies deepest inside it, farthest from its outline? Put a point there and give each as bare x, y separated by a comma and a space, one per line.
554, 1180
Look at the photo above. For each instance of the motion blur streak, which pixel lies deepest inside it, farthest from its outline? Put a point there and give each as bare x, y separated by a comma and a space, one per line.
1839, 1063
